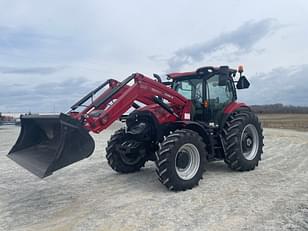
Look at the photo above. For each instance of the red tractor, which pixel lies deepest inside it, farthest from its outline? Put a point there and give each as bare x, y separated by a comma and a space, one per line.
179, 124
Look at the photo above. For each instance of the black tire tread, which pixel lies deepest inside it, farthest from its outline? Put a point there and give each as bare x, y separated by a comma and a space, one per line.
164, 155
231, 136
114, 159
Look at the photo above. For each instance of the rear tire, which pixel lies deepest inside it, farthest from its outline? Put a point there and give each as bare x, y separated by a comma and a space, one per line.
120, 162
243, 139
181, 160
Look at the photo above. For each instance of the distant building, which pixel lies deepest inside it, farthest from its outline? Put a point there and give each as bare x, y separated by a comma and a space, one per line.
7, 119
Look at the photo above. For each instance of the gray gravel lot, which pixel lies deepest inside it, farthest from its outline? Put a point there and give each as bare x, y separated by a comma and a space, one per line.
90, 196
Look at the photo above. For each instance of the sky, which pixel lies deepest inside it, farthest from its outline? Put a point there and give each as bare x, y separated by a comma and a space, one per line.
54, 52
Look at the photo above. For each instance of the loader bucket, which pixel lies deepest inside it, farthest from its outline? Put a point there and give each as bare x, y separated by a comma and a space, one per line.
50, 142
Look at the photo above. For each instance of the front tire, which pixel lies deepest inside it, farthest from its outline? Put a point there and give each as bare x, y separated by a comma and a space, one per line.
121, 160
243, 139
181, 160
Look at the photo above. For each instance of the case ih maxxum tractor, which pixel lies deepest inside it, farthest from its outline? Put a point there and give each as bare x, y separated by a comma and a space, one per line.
180, 125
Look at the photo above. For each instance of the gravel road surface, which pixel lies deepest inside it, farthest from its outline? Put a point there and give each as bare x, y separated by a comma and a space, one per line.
90, 196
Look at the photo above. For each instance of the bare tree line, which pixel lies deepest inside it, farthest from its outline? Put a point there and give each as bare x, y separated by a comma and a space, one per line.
279, 108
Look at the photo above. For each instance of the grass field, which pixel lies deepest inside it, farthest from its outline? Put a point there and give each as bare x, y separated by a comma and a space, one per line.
288, 121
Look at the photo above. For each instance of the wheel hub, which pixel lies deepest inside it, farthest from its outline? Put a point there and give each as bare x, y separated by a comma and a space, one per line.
249, 142
182, 160
187, 161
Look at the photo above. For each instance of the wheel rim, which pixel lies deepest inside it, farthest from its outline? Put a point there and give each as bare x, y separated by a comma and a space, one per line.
249, 142
187, 161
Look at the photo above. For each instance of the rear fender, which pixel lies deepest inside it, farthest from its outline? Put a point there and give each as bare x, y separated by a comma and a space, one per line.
231, 108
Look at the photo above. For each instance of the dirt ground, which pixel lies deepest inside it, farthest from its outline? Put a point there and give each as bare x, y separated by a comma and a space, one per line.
90, 196
297, 122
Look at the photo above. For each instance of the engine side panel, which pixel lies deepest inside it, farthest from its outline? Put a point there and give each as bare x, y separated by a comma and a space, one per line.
161, 115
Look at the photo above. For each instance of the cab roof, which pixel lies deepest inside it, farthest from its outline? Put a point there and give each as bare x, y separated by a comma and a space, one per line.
202, 71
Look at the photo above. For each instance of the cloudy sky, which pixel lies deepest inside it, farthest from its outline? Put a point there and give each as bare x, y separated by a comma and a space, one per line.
53, 52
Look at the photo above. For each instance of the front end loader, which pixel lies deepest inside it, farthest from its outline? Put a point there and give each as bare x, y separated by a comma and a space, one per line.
179, 124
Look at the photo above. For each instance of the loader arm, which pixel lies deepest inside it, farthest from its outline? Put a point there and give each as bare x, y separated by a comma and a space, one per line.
112, 84
115, 101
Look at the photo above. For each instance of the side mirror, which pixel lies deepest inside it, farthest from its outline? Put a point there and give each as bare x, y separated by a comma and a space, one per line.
222, 79
242, 83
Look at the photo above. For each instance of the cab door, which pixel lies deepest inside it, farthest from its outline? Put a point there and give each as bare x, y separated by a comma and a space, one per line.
218, 96
193, 89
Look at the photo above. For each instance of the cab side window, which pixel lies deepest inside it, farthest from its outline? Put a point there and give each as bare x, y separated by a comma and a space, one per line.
219, 95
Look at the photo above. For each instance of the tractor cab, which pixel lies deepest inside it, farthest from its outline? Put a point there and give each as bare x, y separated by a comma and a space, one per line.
210, 89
